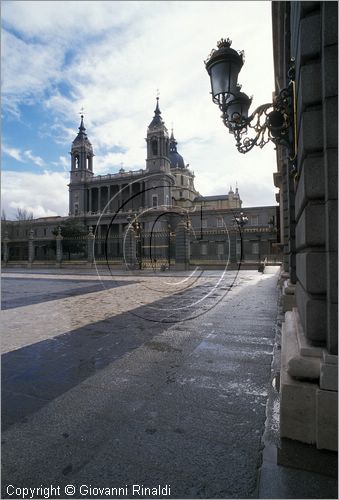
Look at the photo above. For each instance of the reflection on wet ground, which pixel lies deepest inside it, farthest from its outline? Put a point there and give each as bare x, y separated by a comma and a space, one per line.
35, 374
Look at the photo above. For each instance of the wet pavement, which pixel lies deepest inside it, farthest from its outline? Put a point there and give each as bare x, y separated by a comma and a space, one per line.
115, 384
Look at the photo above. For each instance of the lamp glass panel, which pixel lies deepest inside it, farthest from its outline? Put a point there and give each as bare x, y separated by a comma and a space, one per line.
224, 77
238, 107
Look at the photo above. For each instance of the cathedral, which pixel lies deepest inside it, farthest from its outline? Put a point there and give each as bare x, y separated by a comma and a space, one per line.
166, 183
153, 200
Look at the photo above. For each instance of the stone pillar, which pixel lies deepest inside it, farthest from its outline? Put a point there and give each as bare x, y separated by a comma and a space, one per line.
120, 198
130, 247
90, 245
130, 194
291, 232
5, 247
30, 248
182, 247
142, 196
99, 200
90, 200
59, 239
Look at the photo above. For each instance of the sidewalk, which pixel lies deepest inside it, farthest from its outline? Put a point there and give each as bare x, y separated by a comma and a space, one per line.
120, 400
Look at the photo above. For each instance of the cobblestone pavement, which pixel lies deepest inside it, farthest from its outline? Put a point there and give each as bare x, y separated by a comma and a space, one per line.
140, 379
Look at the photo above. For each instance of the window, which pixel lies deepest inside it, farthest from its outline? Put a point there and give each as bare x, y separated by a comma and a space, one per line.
255, 248
204, 223
203, 249
220, 248
167, 200
182, 180
76, 208
45, 231
155, 201
154, 147
77, 162
254, 220
220, 222
181, 194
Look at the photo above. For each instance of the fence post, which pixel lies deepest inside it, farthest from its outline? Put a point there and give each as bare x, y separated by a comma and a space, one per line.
30, 248
182, 247
130, 248
5, 248
59, 239
90, 245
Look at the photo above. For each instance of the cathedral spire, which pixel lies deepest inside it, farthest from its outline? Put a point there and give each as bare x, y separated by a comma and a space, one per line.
82, 126
173, 143
176, 159
82, 136
157, 120
157, 109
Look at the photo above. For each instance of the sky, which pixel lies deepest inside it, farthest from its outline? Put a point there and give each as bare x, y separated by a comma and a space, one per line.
110, 59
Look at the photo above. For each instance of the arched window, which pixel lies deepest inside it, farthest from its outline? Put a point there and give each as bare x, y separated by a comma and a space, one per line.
77, 162
154, 147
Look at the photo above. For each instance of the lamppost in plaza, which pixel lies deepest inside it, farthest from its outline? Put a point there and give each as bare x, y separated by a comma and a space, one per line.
137, 226
273, 121
241, 220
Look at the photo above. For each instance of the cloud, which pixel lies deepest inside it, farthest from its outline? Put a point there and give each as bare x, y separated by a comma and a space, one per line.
13, 153
115, 65
47, 193
28, 70
23, 156
37, 160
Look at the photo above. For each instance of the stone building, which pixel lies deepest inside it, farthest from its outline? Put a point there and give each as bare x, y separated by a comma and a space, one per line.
307, 32
155, 198
165, 182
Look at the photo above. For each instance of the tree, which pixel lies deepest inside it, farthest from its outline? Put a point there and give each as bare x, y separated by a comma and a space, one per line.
22, 214
74, 233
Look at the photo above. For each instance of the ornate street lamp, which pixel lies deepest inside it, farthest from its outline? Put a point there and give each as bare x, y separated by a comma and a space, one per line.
241, 219
269, 122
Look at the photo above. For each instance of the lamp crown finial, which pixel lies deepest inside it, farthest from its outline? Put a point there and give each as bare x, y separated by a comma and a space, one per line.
224, 43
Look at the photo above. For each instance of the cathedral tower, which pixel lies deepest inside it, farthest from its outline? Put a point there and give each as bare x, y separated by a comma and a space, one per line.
81, 171
157, 144
158, 166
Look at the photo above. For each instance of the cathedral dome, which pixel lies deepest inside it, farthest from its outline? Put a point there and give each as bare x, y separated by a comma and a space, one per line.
175, 158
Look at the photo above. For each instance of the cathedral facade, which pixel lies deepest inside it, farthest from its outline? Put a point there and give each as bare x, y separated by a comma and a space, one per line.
166, 183
153, 200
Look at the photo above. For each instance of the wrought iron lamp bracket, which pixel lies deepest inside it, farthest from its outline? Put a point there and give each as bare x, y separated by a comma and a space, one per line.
269, 122
273, 121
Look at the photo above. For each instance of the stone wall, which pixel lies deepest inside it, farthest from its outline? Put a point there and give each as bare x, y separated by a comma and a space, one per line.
307, 32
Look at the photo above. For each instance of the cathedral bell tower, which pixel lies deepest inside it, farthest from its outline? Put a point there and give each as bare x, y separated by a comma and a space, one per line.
157, 144
81, 171
159, 180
